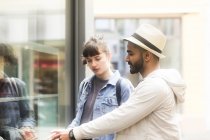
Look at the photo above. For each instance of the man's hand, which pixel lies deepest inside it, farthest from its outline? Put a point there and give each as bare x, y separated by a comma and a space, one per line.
59, 135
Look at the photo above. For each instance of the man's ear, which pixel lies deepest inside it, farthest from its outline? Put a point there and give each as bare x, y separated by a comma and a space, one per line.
147, 56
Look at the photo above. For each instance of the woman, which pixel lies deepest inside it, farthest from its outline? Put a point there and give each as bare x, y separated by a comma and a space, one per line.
98, 93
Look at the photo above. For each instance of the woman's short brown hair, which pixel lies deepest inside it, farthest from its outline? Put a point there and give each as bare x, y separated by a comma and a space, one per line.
93, 47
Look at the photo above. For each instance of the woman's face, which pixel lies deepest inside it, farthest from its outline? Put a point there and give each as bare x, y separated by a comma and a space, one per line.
99, 64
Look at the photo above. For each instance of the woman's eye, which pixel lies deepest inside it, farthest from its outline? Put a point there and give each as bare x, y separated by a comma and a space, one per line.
88, 61
98, 58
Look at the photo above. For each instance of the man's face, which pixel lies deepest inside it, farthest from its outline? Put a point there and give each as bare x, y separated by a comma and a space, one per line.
134, 58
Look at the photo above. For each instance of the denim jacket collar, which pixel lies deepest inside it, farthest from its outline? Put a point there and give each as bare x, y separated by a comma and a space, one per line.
112, 81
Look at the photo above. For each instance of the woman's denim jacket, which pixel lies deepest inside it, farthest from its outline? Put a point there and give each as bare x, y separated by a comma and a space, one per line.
106, 99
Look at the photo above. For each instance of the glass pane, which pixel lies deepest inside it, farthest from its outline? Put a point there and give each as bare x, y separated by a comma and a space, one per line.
36, 32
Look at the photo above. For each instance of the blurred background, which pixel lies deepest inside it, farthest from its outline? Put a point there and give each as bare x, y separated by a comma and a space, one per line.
48, 35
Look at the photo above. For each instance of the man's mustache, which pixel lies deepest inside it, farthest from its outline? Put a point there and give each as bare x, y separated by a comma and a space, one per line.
129, 63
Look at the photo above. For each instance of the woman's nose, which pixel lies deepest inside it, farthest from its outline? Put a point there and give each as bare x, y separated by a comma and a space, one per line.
94, 63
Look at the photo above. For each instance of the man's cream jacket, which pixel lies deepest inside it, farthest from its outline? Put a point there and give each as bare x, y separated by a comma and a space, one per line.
149, 113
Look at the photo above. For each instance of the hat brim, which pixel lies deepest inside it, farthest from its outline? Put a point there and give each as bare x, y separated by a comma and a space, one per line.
140, 44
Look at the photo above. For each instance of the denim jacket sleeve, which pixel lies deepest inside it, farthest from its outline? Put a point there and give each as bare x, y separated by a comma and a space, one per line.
80, 103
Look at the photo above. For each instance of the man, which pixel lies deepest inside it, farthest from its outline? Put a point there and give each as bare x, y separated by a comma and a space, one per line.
150, 112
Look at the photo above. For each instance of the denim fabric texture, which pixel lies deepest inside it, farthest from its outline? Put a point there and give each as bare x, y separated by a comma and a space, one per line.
106, 99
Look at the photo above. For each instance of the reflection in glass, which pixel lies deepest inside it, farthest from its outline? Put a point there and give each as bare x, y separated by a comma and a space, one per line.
16, 116
36, 30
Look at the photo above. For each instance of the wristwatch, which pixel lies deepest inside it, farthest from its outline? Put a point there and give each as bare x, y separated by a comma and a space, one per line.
71, 135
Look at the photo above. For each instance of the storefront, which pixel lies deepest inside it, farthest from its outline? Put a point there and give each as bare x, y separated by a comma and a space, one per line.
47, 40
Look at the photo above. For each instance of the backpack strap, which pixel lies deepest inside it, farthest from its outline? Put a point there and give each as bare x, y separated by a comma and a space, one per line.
118, 91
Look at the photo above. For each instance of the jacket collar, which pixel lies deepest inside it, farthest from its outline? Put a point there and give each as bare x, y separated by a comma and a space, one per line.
112, 81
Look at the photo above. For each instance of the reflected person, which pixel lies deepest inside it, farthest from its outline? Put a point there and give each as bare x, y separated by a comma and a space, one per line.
16, 117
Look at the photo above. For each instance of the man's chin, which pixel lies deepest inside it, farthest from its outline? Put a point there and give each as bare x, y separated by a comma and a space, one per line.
133, 72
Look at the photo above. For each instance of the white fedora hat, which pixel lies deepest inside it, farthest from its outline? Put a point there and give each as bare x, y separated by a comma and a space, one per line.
150, 38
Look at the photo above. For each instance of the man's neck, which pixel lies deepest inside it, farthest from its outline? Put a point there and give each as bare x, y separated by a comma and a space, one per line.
150, 70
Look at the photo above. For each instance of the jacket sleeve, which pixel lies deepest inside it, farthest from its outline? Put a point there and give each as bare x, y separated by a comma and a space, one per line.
76, 120
145, 99
26, 113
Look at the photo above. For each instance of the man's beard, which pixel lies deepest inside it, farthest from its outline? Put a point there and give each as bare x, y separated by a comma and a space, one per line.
136, 67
